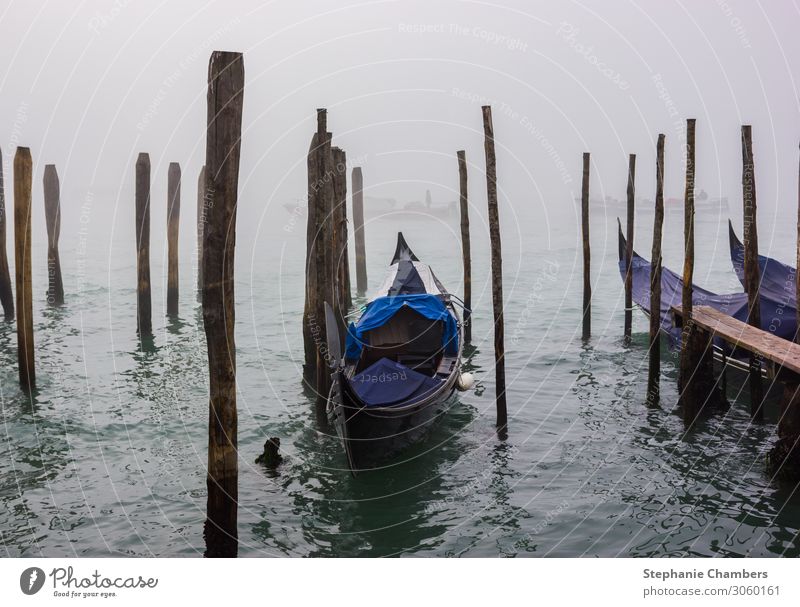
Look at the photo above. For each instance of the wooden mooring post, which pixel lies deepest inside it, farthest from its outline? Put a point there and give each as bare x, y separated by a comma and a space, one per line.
752, 276
587, 255
23, 182
223, 145
320, 262
358, 230
144, 322
687, 400
173, 223
466, 254
339, 225
497, 270
201, 220
629, 248
6, 293
654, 362
52, 211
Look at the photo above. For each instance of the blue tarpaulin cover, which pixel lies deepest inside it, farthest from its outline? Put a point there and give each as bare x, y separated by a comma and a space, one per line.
388, 383
777, 279
777, 317
380, 310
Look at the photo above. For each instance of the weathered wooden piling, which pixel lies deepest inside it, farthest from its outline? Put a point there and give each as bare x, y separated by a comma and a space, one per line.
339, 221
52, 211
358, 230
689, 356
629, 249
497, 269
6, 294
752, 276
143, 304
201, 220
587, 255
654, 362
223, 144
466, 255
23, 181
797, 260
173, 223
319, 259
323, 252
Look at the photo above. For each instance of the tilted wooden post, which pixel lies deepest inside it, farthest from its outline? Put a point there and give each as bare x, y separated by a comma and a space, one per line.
629, 249
497, 269
752, 276
358, 230
223, 145
173, 223
23, 181
587, 255
52, 211
6, 294
201, 220
654, 366
143, 305
339, 217
466, 255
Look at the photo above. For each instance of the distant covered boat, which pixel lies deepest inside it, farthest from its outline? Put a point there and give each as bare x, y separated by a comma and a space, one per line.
778, 280
401, 364
776, 316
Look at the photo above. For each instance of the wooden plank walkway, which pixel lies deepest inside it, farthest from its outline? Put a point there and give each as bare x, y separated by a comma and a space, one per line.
779, 351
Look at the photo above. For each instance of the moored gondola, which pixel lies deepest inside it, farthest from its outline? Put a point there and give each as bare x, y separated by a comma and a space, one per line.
401, 364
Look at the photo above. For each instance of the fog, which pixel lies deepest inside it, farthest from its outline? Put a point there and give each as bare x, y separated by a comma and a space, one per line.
89, 85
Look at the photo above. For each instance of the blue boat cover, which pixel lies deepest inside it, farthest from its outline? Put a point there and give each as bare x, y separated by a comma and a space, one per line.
778, 280
777, 317
380, 310
388, 383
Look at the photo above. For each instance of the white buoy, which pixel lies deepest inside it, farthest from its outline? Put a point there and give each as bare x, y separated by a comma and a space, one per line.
465, 381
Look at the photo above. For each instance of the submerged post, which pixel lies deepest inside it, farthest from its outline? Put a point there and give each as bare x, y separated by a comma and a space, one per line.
654, 366
6, 294
23, 177
751, 271
173, 222
358, 229
223, 144
466, 255
52, 211
629, 249
143, 305
201, 220
587, 256
497, 269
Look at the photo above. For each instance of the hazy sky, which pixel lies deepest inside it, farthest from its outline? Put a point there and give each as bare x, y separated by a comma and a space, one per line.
88, 85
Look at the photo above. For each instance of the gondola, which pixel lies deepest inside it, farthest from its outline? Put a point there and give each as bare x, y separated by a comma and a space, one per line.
401, 364
776, 279
776, 316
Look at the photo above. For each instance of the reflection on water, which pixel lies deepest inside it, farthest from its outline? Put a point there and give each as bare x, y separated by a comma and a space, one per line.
108, 457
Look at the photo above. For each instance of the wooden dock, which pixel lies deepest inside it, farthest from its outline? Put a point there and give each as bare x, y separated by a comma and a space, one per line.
782, 359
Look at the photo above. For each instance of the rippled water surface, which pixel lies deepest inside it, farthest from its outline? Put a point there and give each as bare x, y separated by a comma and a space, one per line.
108, 457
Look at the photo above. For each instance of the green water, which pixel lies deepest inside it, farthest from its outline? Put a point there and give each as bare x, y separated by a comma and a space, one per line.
108, 456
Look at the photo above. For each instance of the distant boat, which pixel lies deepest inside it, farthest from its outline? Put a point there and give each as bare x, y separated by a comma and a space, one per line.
401, 365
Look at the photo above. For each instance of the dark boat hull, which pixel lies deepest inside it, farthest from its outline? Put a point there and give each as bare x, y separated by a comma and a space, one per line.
372, 436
